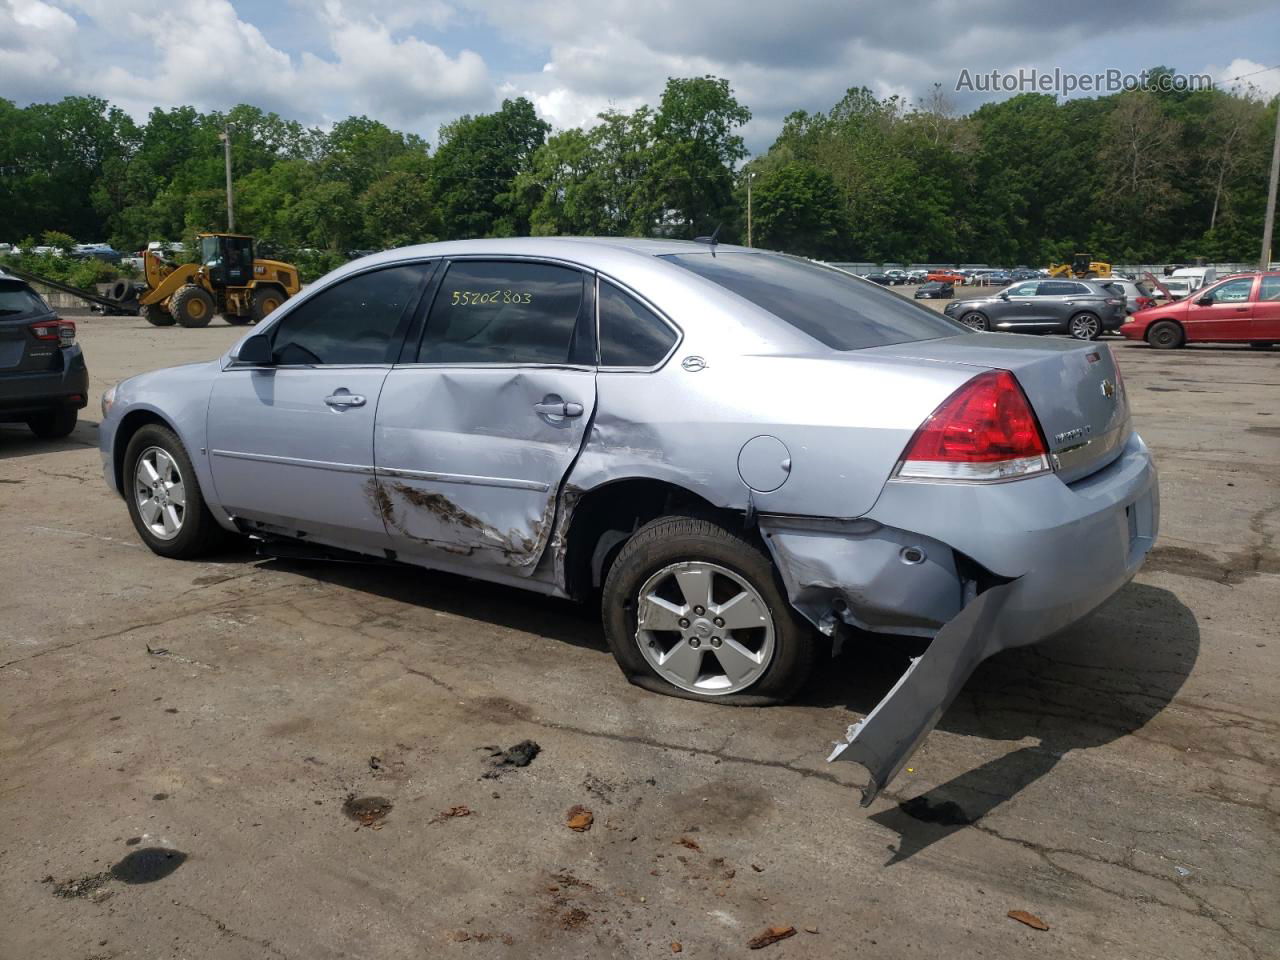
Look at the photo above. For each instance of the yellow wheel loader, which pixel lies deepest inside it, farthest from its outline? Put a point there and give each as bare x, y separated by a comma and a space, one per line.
1081, 267
227, 280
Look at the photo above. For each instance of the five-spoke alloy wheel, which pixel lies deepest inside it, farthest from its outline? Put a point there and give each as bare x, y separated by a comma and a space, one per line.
160, 493
703, 628
163, 493
695, 609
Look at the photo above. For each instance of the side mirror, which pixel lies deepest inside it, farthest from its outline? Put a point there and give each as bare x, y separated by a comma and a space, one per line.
1004, 294
1205, 301
256, 350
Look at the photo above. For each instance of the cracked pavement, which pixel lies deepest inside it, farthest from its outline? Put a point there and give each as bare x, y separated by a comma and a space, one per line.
1122, 782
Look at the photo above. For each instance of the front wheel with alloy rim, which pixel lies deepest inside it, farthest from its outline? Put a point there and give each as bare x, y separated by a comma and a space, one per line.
1165, 335
164, 498
976, 321
695, 610
1085, 326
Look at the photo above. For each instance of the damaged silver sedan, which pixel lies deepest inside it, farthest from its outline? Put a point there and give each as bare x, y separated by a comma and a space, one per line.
738, 451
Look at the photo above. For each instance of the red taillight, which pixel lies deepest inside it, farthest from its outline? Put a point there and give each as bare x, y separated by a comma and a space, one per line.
986, 430
61, 330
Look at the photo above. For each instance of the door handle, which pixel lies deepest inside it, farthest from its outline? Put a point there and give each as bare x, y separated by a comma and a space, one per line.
558, 408
345, 400
1242, 309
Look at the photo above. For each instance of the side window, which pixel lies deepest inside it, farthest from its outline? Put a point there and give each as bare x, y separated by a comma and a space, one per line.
351, 322
1057, 288
1234, 291
504, 312
1270, 289
631, 335
1024, 290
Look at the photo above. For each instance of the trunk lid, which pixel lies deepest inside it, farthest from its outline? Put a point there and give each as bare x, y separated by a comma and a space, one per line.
1074, 388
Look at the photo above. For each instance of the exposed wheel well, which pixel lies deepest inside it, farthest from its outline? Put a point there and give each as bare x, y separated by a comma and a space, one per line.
605, 517
131, 424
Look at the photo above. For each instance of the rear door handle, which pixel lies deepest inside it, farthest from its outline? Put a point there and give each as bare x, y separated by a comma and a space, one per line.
558, 408
1242, 309
345, 400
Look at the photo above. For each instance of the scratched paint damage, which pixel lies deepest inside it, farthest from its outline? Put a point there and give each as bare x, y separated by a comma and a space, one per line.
394, 500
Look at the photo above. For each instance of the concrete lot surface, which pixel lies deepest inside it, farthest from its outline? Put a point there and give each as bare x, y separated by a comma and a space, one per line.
179, 740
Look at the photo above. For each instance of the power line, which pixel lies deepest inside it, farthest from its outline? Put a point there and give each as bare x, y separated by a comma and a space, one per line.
1253, 73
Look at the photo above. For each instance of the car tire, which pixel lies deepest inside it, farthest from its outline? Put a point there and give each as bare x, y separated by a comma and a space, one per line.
158, 316
196, 533
265, 300
1165, 335
1261, 345
55, 424
976, 321
772, 661
192, 306
1084, 326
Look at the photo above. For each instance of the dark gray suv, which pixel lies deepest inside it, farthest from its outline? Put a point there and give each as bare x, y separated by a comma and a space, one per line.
1082, 308
43, 380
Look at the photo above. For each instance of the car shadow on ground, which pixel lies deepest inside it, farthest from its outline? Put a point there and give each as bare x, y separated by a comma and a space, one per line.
500, 606
17, 441
1101, 680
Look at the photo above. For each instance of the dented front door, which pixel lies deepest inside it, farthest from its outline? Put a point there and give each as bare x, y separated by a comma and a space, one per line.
475, 434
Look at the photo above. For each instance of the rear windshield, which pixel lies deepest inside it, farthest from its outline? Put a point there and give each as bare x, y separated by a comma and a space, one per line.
834, 308
17, 299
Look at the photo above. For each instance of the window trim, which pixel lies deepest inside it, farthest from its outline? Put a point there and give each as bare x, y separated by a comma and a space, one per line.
586, 272
648, 304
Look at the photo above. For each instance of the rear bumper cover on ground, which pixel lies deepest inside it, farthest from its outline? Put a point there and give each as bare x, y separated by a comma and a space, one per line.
979, 567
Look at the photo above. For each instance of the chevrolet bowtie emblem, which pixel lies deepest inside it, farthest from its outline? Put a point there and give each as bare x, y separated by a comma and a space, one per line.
1108, 389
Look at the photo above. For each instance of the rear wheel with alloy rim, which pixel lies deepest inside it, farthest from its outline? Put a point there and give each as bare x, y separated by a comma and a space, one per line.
976, 321
703, 628
164, 497
695, 610
1085, 326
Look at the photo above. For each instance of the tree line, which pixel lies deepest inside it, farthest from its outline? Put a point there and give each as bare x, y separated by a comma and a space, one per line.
1132, 177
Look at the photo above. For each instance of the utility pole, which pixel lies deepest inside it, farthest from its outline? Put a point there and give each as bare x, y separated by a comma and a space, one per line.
750, 177
225, 137
1269, 219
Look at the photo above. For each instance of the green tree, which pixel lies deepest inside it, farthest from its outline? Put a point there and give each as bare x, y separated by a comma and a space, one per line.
798, 209
696, 148
476, 167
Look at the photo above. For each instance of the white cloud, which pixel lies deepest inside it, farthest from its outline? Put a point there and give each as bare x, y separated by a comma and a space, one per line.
1242, 74
414, 65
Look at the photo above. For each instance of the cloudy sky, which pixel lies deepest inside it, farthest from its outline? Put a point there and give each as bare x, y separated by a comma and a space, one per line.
417, 63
